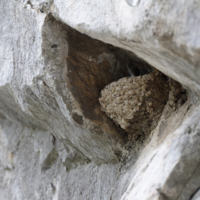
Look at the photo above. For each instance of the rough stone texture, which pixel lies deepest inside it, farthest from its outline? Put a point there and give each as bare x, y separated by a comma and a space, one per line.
196, 196
25, 173
171, 181
55, 142
165, 34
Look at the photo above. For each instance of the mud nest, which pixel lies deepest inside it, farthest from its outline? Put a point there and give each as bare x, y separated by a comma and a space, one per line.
136, 103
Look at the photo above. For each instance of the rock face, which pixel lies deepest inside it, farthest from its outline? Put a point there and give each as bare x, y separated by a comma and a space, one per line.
56, 58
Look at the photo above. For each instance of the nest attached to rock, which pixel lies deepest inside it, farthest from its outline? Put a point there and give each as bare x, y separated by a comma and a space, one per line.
136, 103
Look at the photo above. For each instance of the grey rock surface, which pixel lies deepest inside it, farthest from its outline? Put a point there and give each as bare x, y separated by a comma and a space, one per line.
196, 196
55, 142
165, 34
26, 174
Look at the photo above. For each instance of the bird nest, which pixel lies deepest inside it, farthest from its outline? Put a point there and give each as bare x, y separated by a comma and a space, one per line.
136, 103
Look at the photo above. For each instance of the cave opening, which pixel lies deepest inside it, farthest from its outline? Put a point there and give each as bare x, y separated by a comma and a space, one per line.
92, 66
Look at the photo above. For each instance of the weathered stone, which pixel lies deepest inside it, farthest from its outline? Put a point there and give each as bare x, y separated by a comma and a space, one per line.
55, 142
165, 34
23, 153
196, 196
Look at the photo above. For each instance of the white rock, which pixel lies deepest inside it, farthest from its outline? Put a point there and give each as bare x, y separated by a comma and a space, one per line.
36, 100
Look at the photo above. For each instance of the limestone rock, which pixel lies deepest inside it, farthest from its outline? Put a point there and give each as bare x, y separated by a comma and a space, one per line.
196, 196
166, 35
56, 56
